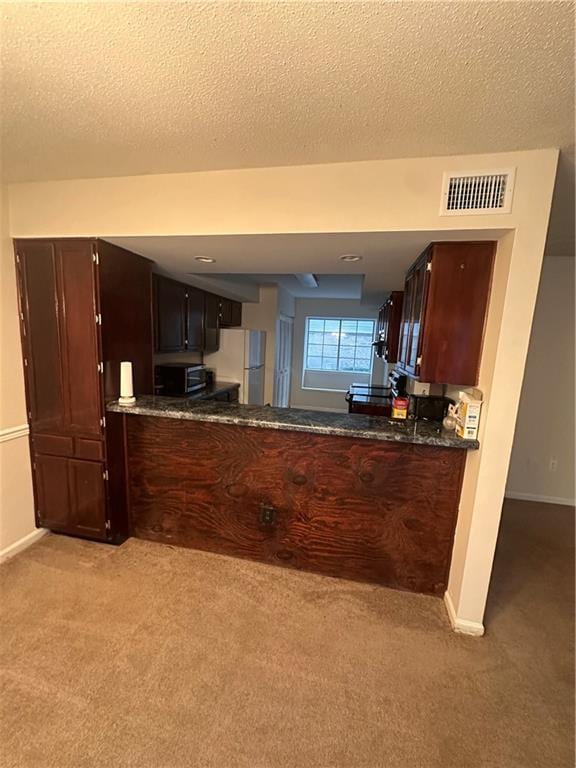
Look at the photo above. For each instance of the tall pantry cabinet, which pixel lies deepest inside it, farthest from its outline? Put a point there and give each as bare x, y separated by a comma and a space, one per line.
85, 305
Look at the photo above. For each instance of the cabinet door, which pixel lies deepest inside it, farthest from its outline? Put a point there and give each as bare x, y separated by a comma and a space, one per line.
60, 337
195, 319
391, 331
419, 288
53, 508
407, 321
225, 313
381, 321
230, 313
211, 323
70, 495
38, 295
235, 314
456, 312
379, 343
125, 293
80, 339
385, 329
170, 315
88, 497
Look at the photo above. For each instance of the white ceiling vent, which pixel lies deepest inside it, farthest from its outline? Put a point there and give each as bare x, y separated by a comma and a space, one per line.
485, 192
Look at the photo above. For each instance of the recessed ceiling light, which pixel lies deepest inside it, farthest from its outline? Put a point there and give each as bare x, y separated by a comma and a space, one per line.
204, 259
350, 257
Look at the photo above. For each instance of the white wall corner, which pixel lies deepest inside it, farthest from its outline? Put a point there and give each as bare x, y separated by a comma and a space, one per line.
22, 544
460, 625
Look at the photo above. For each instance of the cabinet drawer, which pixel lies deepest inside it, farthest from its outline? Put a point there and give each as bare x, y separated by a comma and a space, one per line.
54, 445
69, 447
89, 449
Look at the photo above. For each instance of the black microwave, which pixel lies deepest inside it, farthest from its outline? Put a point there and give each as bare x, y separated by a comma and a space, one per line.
180, 379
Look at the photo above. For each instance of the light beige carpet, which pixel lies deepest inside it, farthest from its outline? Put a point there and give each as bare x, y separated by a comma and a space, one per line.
155, 657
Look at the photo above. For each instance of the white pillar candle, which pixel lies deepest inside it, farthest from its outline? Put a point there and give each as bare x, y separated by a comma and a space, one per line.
126, 386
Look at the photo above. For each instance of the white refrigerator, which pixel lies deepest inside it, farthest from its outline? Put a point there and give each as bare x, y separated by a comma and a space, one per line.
241, 358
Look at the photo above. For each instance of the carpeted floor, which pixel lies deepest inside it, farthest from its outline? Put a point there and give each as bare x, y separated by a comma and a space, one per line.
155, 657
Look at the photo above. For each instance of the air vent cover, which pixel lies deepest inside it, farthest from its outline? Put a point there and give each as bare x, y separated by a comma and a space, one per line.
466, 193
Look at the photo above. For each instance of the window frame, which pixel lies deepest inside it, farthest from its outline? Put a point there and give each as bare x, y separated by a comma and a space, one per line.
336, 370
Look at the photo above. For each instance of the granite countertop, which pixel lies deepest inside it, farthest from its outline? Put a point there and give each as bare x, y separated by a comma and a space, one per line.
297, 420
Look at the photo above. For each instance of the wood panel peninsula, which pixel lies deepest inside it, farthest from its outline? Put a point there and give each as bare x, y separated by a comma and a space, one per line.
347, 495
353, 496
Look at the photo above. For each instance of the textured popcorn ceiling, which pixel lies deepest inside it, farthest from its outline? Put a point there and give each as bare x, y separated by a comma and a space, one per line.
100, 89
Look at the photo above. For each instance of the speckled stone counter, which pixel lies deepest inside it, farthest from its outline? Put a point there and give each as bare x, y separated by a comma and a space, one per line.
297, 420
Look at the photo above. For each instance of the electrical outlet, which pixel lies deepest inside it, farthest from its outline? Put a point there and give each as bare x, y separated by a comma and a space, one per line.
553, 466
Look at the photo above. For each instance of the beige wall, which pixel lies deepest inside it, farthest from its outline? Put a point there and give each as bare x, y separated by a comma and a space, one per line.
543, 459
262, 316
16, 502
312, 398
391, 195
382, 195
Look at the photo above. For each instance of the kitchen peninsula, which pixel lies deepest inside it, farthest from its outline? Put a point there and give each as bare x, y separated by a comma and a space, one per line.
347, 495
344, 495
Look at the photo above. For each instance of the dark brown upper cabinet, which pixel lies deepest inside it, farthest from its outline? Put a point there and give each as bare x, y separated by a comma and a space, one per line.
230, 313
445, 303
85, 305
212, 323
388, 327
189, 319
170, 314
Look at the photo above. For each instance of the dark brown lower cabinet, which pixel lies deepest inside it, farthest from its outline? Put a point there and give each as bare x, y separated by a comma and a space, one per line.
71, 495
359, 509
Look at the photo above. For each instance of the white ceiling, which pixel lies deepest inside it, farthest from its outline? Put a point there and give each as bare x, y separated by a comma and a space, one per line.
385, 257
103, 89
329, 286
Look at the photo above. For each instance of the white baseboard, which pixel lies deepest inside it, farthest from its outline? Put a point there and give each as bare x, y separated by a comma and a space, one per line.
21, 544
463, 626
538, 497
